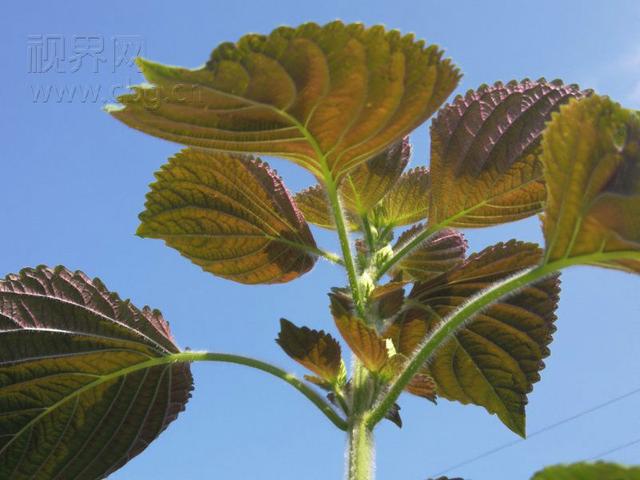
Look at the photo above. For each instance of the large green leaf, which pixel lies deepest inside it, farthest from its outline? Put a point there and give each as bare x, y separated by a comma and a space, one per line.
591, 154
79, 395
485, 148
360, 190
231, 215
329, 96
495, 359
588, 471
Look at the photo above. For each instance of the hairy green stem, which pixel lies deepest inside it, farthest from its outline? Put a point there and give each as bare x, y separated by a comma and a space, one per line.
332, 257
447, 328
368, 235
338, 216
486, 297
415, 242
361, 451
406, 249
360, 446
292, 380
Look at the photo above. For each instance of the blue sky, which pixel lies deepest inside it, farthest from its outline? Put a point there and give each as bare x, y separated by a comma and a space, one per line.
73, 181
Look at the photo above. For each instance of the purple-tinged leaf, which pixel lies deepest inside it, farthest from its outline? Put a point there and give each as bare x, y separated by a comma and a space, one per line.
85, 384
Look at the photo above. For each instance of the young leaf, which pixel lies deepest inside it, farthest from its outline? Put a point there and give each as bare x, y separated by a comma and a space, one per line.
484, 153
316, 350
408, 200
496, 358
385, 301
422, 385
360, 190
314, 205
231, 215
406, 334
589, 471
591, 155
79, 393
440, 253
329, 96
393, 415
363, 340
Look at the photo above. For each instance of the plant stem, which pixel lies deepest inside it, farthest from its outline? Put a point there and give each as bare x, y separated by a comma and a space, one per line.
447, 328
332, 257
366, 226
486, 297
343, 235
291, 379
361, 451
407, 248
360, 446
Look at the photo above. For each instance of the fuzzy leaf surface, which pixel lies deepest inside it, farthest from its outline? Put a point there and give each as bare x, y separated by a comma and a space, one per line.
363, 340
440, 253
326, 97
229, 214
591, 155
485, 150
408, 200
494, 360
361, 189
76, 399
316, 350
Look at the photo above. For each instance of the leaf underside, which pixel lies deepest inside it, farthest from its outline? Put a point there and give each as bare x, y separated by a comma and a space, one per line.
408, 200
591, 155
589, 471
440, 253
316, 350
362, 339
68, 406
325, 97
229, 214
494, 360
360, 191
485, 149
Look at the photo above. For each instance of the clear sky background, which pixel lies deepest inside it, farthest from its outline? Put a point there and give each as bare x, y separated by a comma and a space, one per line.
73, 181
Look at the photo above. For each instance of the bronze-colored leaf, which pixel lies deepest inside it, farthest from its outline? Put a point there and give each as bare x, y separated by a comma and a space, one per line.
485, 150
363, 340
231, 215
422, 385
313, 203
329, 96
385, 301
494, 360
85, 383
408, 200
591, 154
360, 190
316, 350
440, 253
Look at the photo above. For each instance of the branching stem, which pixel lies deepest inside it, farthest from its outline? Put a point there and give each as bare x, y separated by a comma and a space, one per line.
343, 235
291, 379
486, 297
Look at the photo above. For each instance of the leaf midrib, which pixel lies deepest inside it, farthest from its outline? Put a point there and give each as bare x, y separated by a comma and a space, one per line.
101, 380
